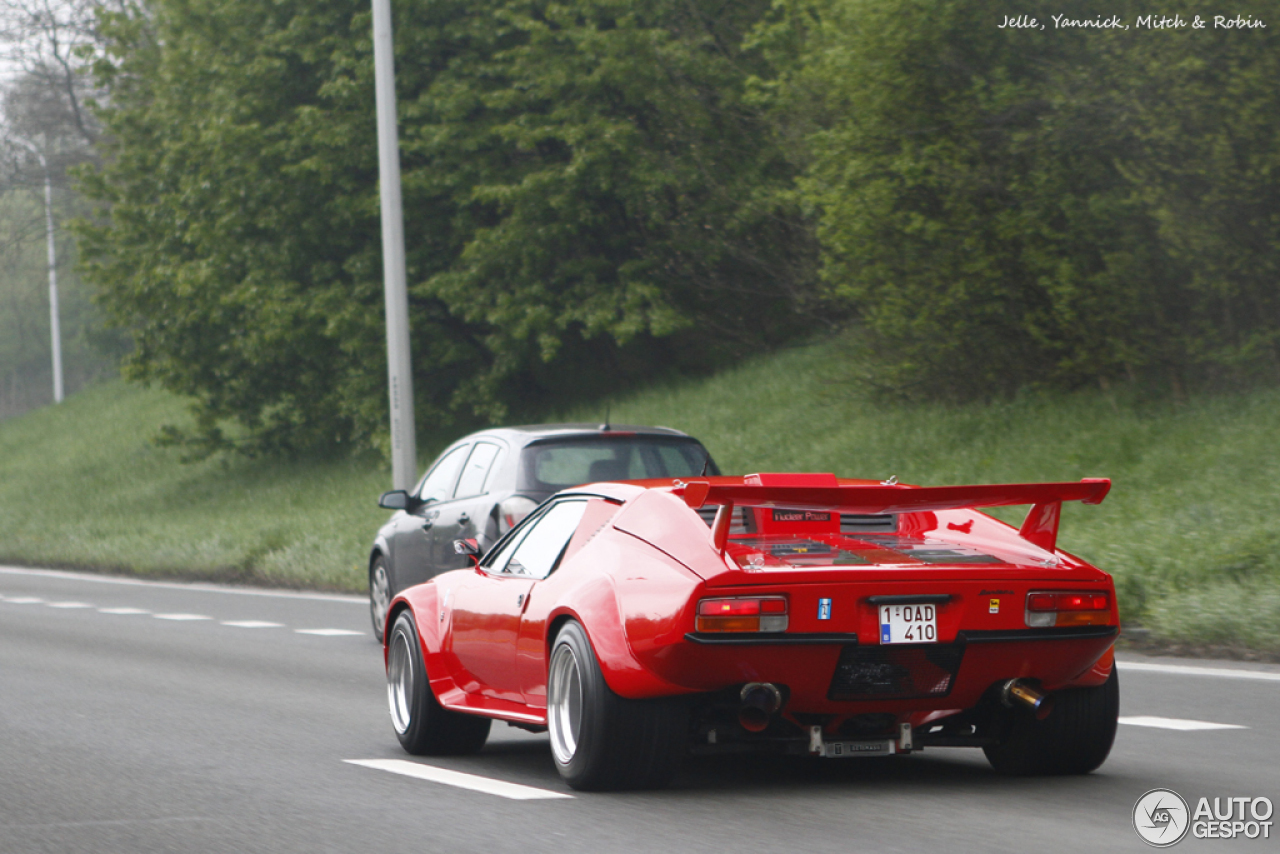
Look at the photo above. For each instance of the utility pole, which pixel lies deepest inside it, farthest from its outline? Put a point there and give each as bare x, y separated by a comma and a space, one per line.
55, 329
404, 452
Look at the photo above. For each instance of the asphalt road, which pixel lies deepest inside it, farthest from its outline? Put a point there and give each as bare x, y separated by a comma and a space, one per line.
154, 718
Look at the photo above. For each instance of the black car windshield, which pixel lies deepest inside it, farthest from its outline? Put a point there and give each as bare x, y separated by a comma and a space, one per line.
562, 463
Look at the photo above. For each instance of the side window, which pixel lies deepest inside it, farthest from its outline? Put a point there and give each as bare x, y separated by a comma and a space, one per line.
476, 470
438, 484
538, 552
492, 482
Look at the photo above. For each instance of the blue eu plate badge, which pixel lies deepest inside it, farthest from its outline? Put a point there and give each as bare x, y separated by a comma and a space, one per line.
824, 609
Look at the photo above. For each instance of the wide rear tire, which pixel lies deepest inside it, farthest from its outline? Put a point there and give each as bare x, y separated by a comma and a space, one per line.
601, 741
1075, 738
424, 727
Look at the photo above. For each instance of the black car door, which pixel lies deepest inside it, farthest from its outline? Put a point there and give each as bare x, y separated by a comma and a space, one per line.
468, 514
411, 561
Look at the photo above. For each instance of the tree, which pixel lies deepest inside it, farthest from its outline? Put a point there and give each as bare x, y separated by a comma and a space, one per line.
1004, 206
586, 193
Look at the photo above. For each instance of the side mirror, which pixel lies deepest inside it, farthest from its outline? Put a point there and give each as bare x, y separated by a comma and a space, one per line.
470, 548
396, 499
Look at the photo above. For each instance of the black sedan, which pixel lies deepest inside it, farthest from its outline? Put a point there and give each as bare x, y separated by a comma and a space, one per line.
485, 483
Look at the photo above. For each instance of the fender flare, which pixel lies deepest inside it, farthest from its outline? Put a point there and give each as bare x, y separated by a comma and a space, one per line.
595, 606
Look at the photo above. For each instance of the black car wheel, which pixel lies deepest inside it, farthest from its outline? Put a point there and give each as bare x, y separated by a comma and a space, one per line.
379, 595
424, 727
1075, 737
602, 741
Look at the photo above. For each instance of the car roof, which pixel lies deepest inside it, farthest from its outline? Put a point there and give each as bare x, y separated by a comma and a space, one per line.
525, 434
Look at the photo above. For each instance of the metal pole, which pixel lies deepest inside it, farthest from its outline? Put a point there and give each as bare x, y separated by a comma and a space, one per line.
404, 453
55, 329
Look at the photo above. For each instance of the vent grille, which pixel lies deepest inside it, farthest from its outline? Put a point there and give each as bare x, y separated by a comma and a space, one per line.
868, 523
895, 672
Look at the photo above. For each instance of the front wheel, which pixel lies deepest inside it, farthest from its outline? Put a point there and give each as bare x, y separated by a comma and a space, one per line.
1075, 738
599, 740
379, 595
424, 727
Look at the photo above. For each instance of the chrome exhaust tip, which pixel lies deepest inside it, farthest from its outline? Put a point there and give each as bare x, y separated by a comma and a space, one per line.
760, 702
1017, 691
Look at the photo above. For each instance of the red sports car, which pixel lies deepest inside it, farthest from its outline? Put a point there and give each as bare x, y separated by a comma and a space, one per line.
794, 613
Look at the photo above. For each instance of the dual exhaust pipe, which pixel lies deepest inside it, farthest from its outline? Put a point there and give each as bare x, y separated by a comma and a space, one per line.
760, 701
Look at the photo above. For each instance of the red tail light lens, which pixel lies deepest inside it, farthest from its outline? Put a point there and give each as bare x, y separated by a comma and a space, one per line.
743, 614
1068, 608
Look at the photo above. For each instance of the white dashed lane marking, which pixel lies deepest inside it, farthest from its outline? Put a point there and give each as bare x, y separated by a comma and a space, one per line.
1191, 670
1175, 723
175, 617
457, 779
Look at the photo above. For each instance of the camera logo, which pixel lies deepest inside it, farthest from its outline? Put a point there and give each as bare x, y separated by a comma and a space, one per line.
1161, 818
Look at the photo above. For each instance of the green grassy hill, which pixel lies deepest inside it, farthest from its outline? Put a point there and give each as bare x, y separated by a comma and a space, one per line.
1191, 529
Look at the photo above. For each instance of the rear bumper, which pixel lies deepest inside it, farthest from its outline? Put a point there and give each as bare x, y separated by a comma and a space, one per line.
946, 676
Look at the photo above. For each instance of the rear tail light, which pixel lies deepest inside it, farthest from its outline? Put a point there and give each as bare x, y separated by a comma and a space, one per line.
743, 614
1068, 608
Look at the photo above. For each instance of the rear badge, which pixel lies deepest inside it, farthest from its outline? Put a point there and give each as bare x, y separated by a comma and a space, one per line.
824, 609
993, 607
800, 516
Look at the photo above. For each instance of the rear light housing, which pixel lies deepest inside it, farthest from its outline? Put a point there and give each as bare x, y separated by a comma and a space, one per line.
743, 614
1068, 608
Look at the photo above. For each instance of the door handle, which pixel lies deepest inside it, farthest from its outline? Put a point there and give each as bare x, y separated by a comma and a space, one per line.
464, 519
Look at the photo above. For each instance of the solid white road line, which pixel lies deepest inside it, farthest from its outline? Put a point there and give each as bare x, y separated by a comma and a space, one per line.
458, 779
252, 624
328, 633
181, 617
1189, 670
123, 611
178, 585
1175, 723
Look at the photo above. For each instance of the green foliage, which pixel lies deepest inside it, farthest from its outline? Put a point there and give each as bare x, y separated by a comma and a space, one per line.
1007, 206
587, 196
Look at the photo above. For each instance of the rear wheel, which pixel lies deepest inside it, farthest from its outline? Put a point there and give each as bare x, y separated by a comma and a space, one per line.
1074, 738
424, 727
602, 741
379, 595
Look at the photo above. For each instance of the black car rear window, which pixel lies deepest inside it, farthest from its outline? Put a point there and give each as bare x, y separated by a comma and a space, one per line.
553, 465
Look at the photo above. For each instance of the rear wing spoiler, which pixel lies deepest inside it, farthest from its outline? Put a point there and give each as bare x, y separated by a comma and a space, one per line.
1039, 529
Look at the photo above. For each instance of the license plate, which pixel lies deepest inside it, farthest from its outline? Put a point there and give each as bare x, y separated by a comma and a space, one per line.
908, 624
